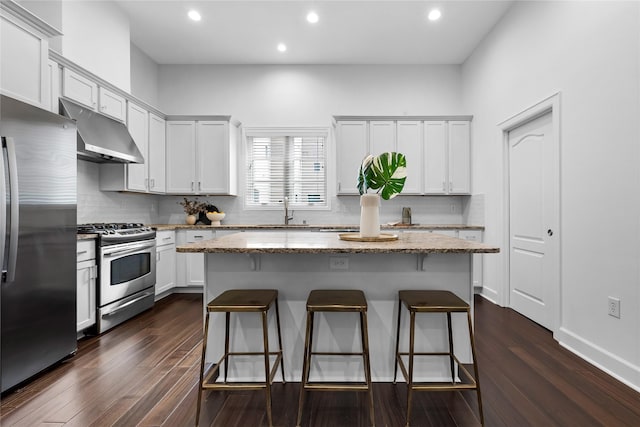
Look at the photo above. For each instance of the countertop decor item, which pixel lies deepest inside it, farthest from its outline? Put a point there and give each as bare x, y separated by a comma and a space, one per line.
216, 217
385, 173
192, 208
356, 237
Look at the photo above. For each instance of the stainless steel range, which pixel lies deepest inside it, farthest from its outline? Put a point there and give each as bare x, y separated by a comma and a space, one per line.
127, 271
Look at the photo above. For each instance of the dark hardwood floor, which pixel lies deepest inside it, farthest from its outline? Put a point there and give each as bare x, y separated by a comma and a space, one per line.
145, 373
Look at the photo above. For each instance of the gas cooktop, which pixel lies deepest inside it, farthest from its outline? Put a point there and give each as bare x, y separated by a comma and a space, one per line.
111, 233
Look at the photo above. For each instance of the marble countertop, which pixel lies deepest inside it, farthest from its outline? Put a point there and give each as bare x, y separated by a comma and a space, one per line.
312, 227
89, 236
309, 242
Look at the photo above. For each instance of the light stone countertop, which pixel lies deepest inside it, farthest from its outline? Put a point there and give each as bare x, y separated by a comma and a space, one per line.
312, 227
309, 242
90, 236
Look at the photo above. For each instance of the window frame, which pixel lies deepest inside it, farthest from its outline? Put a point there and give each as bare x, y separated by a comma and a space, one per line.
249, 132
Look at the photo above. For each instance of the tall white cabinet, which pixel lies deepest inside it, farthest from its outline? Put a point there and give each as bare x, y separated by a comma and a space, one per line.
437, 151
201, 156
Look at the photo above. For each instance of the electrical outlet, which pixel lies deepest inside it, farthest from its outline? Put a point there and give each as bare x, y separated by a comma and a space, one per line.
452, 207
338, 263
614, 307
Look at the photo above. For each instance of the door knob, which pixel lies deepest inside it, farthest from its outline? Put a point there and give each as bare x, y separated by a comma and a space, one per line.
550, 232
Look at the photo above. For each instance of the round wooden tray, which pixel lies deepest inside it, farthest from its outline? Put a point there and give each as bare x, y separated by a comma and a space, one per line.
356, 237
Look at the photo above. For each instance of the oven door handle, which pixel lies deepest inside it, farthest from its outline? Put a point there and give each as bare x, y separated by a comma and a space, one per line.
130, 249
124, 306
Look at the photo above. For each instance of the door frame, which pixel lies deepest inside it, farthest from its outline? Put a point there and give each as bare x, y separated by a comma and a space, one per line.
551, 105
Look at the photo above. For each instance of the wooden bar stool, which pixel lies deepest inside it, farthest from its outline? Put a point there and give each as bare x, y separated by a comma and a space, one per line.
435, 302
335, 301
242, 301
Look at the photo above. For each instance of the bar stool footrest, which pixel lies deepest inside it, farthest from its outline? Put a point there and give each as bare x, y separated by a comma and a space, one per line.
336, 386
214, 370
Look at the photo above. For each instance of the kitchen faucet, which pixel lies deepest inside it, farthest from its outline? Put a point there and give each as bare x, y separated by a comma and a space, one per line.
287, 218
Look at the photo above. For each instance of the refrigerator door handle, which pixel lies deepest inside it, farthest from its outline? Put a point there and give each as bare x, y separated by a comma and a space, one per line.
3, 209
10, 145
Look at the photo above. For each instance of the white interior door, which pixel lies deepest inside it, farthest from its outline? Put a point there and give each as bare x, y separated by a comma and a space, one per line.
533, 260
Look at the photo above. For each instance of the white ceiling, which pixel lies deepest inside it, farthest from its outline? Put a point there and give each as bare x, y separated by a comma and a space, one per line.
349, 32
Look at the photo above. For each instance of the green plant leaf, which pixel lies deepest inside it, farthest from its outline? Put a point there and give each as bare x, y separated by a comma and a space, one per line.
386, 173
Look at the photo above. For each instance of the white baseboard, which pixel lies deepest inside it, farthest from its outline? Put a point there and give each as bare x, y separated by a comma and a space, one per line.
620, 369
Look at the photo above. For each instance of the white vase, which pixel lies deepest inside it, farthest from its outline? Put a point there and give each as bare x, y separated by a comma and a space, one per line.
191, 219
370, 215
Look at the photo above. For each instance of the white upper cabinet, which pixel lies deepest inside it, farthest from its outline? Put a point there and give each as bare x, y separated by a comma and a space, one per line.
447, 157
351, 147
459, 157
435, 157
409, 143
437, 152
79, 88
382, 136
24, 53
201, 157
138, 125
157, 154
112, 104
181, 148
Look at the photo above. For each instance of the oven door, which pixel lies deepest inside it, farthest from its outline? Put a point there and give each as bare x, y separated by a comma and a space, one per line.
126, 269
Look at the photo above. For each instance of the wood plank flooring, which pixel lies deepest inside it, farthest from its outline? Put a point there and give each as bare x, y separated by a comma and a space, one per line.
145, 372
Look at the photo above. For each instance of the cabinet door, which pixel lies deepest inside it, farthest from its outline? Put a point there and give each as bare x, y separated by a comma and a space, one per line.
112, 104
181, 148
476, 236
55, 86
382, 136
86, 294
79, 88
435, 157
191, 266
459, 157
138, 125
23, 62
351, 148
212, 154
157, 154
165, 268
409, 143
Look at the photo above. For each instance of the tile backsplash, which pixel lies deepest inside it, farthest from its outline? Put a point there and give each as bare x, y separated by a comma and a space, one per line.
110, 206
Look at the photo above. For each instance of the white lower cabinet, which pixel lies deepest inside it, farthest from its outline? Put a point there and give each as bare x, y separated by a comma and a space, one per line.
190, 267
476, 236
86, 275
165, 261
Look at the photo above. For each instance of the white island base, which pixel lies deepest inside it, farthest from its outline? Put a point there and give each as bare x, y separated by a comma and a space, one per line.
379, 275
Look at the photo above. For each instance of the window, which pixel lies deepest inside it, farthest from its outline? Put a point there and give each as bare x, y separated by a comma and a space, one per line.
286, 163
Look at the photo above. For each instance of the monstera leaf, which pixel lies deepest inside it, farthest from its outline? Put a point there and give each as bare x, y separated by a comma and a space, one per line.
385, 173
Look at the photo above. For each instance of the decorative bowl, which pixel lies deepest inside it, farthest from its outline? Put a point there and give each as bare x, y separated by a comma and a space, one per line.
216, 217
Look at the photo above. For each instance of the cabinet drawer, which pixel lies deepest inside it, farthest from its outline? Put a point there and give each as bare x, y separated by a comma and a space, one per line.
86, 250
199, 235
167, 237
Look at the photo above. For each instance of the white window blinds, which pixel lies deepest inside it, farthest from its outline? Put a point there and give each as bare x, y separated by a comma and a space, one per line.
286, 166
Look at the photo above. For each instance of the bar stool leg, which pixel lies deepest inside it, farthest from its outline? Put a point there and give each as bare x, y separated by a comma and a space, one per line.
265, 337
280, 341
305, 365
412, 330
364, 330
226, 344
395, 368
475, 367
204, 352
453, 380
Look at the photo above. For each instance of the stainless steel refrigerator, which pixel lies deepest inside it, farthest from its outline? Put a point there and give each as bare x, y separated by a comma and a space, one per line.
38, 174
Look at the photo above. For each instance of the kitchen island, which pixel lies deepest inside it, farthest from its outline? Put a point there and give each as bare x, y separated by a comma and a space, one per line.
296, 262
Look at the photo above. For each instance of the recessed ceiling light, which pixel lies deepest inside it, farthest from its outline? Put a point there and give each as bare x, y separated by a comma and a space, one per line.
312, 17
282, 47
194, 15
434, 15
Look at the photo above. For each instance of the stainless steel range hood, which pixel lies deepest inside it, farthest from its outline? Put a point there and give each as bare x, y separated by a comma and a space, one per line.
101, 139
